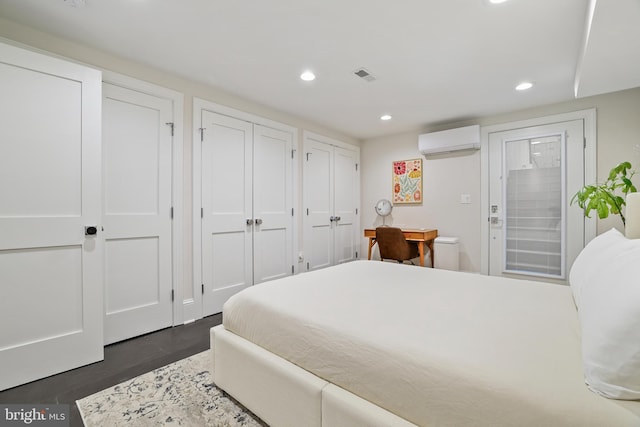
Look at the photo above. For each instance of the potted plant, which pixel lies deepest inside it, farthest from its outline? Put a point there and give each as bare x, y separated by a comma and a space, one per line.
604, 198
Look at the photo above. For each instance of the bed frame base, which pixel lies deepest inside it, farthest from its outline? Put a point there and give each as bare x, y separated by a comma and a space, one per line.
283, 394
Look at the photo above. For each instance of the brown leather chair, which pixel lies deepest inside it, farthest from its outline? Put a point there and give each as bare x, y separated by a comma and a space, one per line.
393, 245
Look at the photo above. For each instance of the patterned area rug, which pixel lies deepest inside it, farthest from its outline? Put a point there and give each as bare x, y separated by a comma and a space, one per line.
179, 394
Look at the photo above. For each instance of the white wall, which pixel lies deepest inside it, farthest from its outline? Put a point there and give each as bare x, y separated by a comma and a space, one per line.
445, 178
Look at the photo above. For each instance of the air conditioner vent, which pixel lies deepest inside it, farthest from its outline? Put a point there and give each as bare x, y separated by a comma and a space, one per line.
364, 74
448, 141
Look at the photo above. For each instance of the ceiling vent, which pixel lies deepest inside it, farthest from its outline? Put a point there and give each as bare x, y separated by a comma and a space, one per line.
364, 74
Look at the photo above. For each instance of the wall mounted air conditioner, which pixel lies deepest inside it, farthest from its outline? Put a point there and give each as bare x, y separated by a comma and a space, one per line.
447, 141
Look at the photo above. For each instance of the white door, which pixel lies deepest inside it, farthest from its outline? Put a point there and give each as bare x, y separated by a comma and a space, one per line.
533, 174
318, 205
137, 147
51, 306
227, 221
331, 198
346, 199
272, 204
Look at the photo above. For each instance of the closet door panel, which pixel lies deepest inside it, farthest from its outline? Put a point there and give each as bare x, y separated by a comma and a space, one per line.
272, 204
318, 205
346, 199
226, 206
137, 147
50, 270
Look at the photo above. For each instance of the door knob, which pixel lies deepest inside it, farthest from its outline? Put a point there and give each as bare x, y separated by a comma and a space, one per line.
90, 230
258, 221
249, 221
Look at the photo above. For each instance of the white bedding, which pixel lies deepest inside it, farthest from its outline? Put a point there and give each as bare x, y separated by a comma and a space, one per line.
435, 347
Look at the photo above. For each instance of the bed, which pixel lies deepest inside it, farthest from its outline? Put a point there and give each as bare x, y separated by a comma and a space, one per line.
372, 343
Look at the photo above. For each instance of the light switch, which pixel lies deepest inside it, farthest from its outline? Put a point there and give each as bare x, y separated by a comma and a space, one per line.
465, 199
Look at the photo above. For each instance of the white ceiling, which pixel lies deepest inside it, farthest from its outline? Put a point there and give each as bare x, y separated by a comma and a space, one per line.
435, 61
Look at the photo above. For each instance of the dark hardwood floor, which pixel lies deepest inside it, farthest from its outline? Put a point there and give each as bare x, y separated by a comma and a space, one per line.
122, 361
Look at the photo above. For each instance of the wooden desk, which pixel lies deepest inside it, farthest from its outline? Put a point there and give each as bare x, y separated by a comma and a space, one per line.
426, 237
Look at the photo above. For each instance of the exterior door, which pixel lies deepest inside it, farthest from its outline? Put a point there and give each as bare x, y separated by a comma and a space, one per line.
272, 204
137, 147
331, 198
227, 221
51, 303
533, 174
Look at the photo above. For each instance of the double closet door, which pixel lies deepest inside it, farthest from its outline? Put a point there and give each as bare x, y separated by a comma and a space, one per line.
246, 206
331, 199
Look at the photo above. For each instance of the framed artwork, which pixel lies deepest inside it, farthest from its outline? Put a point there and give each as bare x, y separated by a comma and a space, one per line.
407, 181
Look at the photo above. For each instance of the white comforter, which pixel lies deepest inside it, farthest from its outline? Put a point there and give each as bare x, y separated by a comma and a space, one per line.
435, 347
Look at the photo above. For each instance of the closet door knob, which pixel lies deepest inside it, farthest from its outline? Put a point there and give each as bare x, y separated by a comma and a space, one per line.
249, 221
258, 221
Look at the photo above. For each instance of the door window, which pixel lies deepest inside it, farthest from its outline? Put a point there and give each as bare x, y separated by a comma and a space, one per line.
533, 191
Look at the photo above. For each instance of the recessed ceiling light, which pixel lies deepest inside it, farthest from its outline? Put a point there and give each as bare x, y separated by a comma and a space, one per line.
385, 117
497, 1
524, 86
307, 76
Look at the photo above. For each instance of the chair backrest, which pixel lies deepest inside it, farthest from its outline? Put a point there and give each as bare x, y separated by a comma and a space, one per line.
393, 245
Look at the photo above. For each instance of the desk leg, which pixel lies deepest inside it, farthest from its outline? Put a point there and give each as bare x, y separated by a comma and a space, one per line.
372, 241
421, 250
430, 243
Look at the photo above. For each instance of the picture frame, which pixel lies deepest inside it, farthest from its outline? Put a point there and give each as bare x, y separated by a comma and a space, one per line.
407, 181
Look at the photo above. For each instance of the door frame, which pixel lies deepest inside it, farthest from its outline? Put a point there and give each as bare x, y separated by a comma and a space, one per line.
590, 135
192, 307
177, 179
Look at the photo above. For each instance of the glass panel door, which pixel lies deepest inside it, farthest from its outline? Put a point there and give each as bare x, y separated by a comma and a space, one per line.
533, 195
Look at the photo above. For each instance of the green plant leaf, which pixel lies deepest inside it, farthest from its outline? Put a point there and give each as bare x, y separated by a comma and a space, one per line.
603, 198
620, 169
602, 209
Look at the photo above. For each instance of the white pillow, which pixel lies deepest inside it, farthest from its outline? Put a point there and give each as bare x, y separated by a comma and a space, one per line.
605, 280
589, 261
